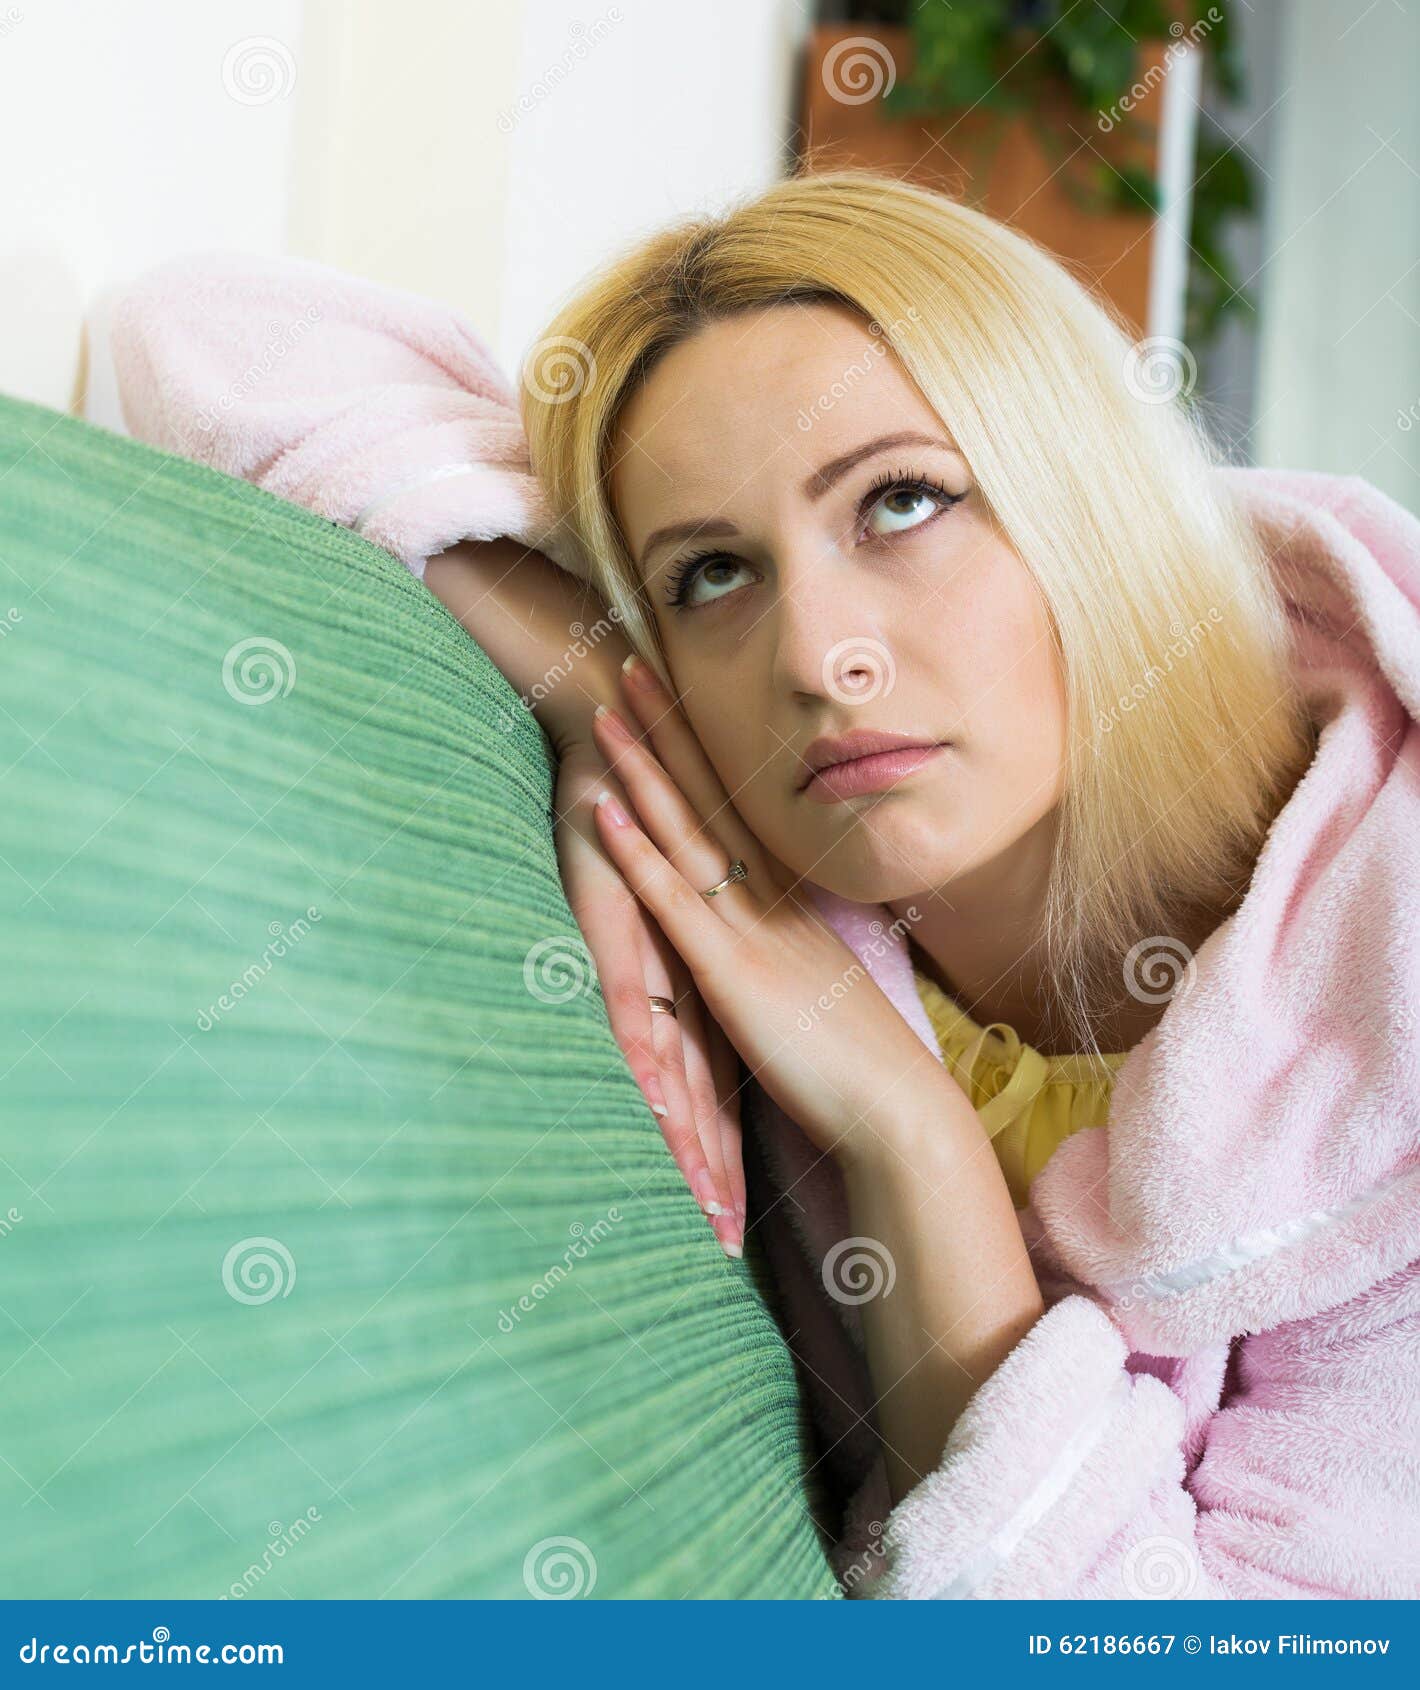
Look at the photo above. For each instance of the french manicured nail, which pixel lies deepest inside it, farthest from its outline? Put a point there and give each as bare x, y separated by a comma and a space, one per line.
651, 1087
613, 810
705, 1194
731, 1245
610, 719
638, 673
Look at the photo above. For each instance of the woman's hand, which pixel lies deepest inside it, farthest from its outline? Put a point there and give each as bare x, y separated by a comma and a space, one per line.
684, 1065
813, 1026
926, 1195
535, 621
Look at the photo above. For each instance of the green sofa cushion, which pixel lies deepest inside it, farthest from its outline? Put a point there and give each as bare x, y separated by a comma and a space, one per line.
339, 1255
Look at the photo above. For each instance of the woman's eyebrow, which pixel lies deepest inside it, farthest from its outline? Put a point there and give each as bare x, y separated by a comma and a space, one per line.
822, 479
815, 487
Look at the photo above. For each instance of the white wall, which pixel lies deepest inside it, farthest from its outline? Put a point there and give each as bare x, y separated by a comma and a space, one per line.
484, 152
125, 137
623, 126
1340, 287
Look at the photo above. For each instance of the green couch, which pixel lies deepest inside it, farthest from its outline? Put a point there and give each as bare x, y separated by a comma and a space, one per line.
339, 1255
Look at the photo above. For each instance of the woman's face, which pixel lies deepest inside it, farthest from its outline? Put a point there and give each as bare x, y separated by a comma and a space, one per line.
846, 577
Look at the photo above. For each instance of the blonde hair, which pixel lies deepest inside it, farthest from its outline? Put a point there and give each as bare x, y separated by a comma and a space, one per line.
1103, 483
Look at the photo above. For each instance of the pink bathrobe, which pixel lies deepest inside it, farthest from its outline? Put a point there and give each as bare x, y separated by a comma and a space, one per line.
1222, 1398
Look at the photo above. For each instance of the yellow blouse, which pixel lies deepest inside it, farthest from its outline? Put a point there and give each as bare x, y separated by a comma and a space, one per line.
1027, 1102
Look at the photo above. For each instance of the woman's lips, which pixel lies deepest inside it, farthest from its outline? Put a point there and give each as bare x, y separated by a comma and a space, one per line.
868, 774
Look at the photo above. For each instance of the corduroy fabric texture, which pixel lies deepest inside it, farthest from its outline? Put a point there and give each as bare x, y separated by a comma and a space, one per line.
307, 1082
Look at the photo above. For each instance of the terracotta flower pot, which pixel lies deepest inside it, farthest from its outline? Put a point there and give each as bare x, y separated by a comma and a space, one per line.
993, 162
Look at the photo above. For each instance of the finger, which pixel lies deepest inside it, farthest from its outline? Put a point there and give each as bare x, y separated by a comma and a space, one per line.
681, 1128
725, 1066
617, 932
700, 1081
658, 717
688, 1023
701, 938
605, 922
660, 807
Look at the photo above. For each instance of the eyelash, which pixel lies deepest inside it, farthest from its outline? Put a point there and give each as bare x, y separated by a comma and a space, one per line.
892, 481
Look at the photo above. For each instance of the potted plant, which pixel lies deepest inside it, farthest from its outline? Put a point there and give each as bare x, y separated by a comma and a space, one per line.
1048, 115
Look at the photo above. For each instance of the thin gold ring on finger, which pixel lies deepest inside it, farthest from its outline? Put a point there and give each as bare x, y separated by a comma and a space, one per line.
663, 1006
738, 871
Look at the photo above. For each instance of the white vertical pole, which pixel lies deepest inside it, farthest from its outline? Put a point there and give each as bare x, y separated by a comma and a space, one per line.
1178, 143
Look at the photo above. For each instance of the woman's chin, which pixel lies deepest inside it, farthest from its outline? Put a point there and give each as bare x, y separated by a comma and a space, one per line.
865, 877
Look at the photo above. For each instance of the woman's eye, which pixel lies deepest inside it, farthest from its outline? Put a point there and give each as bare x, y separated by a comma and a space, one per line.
711, 573
903, 508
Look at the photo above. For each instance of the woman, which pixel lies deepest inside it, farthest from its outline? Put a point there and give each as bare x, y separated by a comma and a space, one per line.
969, 686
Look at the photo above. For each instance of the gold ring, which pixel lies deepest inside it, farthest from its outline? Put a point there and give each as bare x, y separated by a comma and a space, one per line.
738, 871
663, 1006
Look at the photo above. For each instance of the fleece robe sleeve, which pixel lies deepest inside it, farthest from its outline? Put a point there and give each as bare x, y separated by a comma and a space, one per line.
374, 408
1065, 1475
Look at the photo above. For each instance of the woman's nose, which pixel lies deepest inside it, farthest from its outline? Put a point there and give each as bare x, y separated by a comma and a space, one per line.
831, 643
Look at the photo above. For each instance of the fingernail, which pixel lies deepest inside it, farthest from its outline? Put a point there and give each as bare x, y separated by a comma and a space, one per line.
728, 1236
613, 810
611, 720
638, 673
651, 1086
704, 1188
